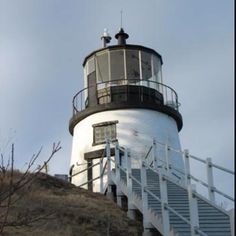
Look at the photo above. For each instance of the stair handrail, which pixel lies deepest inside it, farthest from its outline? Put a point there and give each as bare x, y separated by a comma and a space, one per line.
190, 176
181, 185
103, 172
210, 187
85, 169
196, 158
209, 164
145, 189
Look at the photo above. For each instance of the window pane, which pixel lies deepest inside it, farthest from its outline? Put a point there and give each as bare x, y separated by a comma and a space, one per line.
146, 65
101, 133
157, 69
117, 65
132, 64
90, 66
102, 67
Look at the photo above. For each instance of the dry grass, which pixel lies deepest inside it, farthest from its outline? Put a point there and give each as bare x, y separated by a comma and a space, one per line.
67, 211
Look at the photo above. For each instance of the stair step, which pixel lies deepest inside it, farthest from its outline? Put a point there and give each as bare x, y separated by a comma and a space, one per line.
212, 220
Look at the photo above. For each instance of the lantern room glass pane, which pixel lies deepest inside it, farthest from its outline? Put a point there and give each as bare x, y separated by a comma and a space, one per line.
90, 66
146, 66
102, 67
157, 69
117, 65
132, 65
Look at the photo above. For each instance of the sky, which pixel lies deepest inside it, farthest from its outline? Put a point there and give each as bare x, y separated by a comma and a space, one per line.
43, 44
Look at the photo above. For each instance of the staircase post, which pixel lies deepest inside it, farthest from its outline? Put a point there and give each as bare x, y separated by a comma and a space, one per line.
146, 221
117, 169
164, 204
154, 153
232, 222
101, 176
193, 209
167, 149
131, 208
109, 183
210, 180
187, 167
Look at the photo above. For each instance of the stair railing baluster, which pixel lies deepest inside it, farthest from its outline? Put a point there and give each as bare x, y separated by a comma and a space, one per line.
232, 221
109, 181
117, 171
164, 205
154, 153
101, 174
193, 210
210, 180
131, 208
167, 149
146, 221
187, 167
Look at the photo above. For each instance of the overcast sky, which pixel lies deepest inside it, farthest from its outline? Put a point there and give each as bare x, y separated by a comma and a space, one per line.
43, 44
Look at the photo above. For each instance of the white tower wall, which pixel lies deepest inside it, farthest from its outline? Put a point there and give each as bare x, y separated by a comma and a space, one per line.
136, 129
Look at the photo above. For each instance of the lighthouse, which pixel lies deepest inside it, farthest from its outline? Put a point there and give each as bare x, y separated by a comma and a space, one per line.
125, 127
124, 100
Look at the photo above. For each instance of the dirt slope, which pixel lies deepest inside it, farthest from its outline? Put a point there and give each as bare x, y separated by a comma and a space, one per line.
58, 208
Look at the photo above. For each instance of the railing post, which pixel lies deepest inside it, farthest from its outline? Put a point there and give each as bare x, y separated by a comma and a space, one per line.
131, 208
146, 221
154, 153
232, 222
117, 169
164, 204
210, 180
117, 162
193, 209
101, 176
108, 154
187, 167
167, 149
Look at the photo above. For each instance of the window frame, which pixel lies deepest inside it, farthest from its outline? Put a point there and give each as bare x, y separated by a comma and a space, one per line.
104, 124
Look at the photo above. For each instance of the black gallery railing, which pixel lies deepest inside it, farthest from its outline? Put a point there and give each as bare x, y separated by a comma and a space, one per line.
143, 89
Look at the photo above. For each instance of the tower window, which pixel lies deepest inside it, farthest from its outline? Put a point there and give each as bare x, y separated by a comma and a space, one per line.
102, 67
117, 65
146, 66
132, 65
103, 131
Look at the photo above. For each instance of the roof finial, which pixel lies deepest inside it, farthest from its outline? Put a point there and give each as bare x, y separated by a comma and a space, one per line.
121, 36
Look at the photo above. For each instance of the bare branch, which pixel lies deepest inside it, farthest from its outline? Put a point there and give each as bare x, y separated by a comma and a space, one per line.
10, 193
10, 190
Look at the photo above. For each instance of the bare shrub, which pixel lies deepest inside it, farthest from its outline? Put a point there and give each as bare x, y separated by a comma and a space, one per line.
12, 184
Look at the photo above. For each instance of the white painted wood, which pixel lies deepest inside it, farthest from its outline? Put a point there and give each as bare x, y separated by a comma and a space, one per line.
131, 208
109, 181
108, 156
117, 172
210, 180
187, 167
154, 154
146, 221
193, 209
167, 164
101, 170
232, 221
164, 202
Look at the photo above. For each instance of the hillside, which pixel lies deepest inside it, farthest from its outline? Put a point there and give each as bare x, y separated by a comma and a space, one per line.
52, 207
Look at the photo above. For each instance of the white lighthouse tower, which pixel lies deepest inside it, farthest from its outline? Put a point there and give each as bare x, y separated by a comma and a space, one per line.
125, 100
124, 112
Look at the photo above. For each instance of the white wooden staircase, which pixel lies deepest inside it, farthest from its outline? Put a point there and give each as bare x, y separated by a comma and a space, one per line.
170, 206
